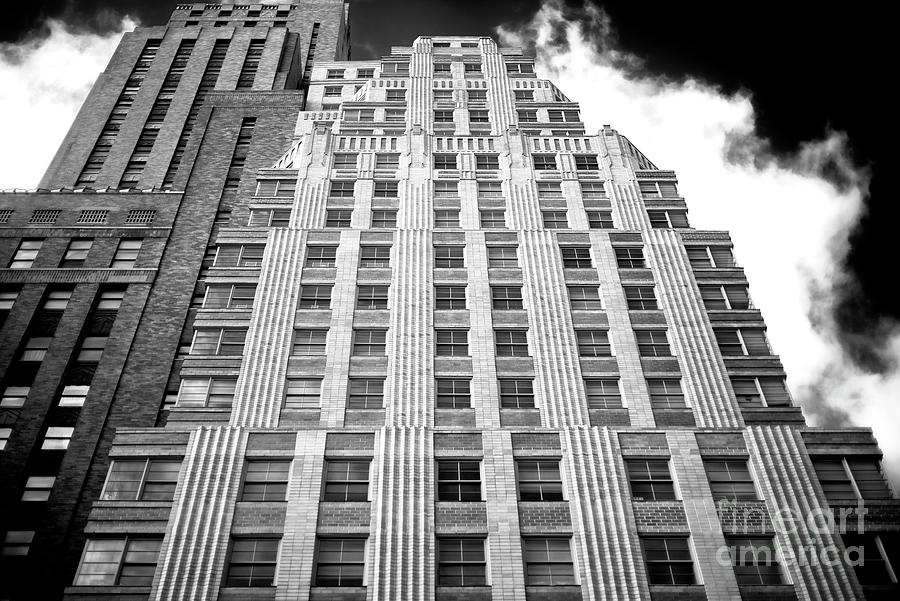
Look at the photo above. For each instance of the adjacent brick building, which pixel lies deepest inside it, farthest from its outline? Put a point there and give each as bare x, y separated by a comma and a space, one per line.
282, 325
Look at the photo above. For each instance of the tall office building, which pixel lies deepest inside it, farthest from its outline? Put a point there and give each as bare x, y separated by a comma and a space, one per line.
279, 325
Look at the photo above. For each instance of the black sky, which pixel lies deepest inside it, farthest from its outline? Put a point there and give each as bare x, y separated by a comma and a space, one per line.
810, 69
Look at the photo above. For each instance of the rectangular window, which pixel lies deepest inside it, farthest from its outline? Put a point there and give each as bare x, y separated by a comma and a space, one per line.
38, 489
91, 349
446, 189
453, 393
57, 438
239, 255
366, 393
458, 480
451, 343
479, 117
527, 116
846, 479
711, 257
668, 219
315, 296
729, 479
269, 217
387, 161
755, 561
493, 219
372, 297
576, 257
321, 256
549, 190
118, 561
539, 480
544, 162
640, 298
343, 160
879, 556
449, 298
252, 562
443, 96
585, 298
141, 480
502, 257
725, 297
335, 74
477, 96
384, 219
517, 394
511, 343
340, 562
742, 341
369, 343
235, 296
25, 254
653, 343
548, 561
14, 397
461, 562
309, 342
586, 162
446, 218
650, 479
342, 189
396, 96
219, 341
603, 393
555, 220
593, 343
375, 256
762, 391
395, 115
207, 392
472, 67
524, 95
665, 393
333, 91
506, 298
668, 560
401, 69
338, 217
35, 349
490, 190
487, 161
302, 393
365, 73
658, 189
449, 257
346, 481
443, 116
445, 161
630, 257
386, 189
592, 190
126, 254
76, 253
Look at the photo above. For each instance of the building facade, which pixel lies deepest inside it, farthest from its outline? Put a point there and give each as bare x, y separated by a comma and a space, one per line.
282, 325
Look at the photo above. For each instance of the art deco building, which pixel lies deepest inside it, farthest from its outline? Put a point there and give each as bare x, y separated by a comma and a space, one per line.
279, 325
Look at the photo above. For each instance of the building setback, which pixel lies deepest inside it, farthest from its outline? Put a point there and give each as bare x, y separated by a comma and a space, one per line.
282, 325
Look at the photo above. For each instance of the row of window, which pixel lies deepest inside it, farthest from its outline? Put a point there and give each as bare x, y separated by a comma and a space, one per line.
85, 216
76, 253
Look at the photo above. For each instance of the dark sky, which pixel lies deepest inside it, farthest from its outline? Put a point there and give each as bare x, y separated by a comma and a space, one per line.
809, 69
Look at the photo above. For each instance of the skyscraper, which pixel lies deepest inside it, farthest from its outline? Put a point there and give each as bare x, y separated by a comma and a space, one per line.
283, 325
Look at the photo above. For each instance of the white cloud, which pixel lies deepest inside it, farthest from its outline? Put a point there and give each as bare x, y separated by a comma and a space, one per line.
789, 224
42, 85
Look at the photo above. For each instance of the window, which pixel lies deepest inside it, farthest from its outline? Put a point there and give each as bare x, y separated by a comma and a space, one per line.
711, 257
239, 255
14, 397
513, 68
442, 96
658, 189
755, 561
630, 257
527, 116
397, 68
269, 217
539, 480
38, 488
35, 348
517, 394
206, 392
5, 433
118, 561
576, 257
25, 254
563, 116
603, 393
369, 343
309, 342
126, 254
375, 256
878, 554
346, 481
502, 257
342, 189
847, 479
742, 341
396, 95
653, 343
458, 480
302, 393
443, 116
506, 298
445, 161
219, 341
387, 161
479, 117
448, 257
451, 343
544, 162
446, 189
555, 220
487, 161
592, 190
548, 561
384, 219
665, 393
372, 297
283, 188
511, 343
449, 298
343, 160
366, 393
724, 297
668, 560
650, 479
331, 91
335, 74
549, 190
524, 95
493, 219
586, 162
594, 343
490, 190
385, 189
477, 96
340, 562
729, 479
668, 219
141, 480
321, 256
446, 218
762, 391
453, 393
57, 438
315, 296
110, 300
91, 349
76, 253
338, 217
252, 562
461, 562
365, 73
640, 298
235, 296
395, 115
585, 298
472, 67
